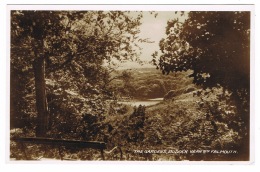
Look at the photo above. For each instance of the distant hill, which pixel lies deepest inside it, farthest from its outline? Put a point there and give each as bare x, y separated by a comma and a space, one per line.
135, 65
151, 83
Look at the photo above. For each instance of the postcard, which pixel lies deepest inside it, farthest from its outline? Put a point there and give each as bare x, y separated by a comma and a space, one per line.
130, 83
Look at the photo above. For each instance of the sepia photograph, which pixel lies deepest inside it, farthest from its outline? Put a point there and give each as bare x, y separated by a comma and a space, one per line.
130, 85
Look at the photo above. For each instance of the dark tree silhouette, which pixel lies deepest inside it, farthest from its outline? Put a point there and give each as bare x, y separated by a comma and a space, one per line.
216, 47
75, 41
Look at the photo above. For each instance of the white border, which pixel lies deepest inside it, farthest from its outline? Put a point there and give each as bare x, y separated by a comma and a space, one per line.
148, 7
134, 165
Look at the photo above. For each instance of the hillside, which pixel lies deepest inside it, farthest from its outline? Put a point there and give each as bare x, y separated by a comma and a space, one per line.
151, 83
190, 124
202, 121
182, 124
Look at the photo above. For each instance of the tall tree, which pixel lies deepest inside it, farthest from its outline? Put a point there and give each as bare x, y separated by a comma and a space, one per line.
216, 46
69, 39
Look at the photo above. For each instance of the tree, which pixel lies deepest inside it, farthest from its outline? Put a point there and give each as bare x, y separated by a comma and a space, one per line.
216, 46
74, 43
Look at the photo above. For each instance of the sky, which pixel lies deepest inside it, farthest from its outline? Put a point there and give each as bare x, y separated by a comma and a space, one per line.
153, 28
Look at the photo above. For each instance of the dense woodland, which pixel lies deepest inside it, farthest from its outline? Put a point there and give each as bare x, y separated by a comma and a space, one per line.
64, 85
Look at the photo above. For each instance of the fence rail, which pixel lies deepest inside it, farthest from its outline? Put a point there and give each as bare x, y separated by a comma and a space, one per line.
61, 142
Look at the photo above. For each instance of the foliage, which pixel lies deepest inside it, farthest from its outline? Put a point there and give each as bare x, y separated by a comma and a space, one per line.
186, 124
198, 120
81, 92
215, 45
73, 116
149, 83
136, 123
73, 46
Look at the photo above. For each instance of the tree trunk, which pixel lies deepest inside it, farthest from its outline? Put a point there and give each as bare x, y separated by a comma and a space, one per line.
41, 103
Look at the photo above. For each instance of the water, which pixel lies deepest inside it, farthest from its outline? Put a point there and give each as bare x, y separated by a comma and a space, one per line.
148, 102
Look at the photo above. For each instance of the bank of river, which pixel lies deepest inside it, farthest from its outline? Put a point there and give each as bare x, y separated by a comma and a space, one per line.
147, 102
